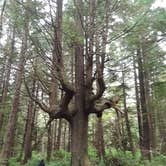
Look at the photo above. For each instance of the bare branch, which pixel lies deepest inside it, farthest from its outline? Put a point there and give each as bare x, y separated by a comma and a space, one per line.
103, 104
39, 103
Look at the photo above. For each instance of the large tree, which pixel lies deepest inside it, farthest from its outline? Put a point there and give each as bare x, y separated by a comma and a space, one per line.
89, 50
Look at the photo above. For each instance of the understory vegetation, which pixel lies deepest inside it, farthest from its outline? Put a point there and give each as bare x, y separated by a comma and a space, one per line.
112, 158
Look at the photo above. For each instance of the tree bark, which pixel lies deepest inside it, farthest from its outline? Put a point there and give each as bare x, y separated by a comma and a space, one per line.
162, 130
29, 128
1, 17
147, 77
58, 142
118, 130
145, 149
64, 134
100, 139
139, 114
69, 139
79, 124
49, 142
79, 140
126, 115
55, 133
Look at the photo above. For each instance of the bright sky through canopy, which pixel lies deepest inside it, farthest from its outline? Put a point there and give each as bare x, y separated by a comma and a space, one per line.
160, 3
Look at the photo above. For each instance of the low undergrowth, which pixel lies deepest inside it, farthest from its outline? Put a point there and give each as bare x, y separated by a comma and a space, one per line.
112, 157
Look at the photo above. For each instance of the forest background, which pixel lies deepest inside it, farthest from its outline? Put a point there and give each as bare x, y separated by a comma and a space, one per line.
82, 82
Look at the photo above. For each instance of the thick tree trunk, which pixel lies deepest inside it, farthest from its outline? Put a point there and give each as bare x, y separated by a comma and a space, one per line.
79, 140
79, 124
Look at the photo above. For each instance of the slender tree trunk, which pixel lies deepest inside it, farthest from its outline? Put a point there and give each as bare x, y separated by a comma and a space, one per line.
118, 129
1, 17
1, 120
49, 142
35, 117
2, 74
162, 131
64, 135
29, 128
100, 139
19, 158
55, 133
145, 149
147, 77
69, 139
58, 142
32, 147
160, 112
126, 115
139, 114
152, 117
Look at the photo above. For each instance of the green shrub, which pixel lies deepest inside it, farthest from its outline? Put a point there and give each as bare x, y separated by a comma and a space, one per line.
113, 157
102, 162
62, 154
60, 158
159, 160
36, 157
13, 162
92, 153
121, 158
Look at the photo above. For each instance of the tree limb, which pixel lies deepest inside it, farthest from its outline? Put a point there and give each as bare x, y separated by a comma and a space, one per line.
39, 103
